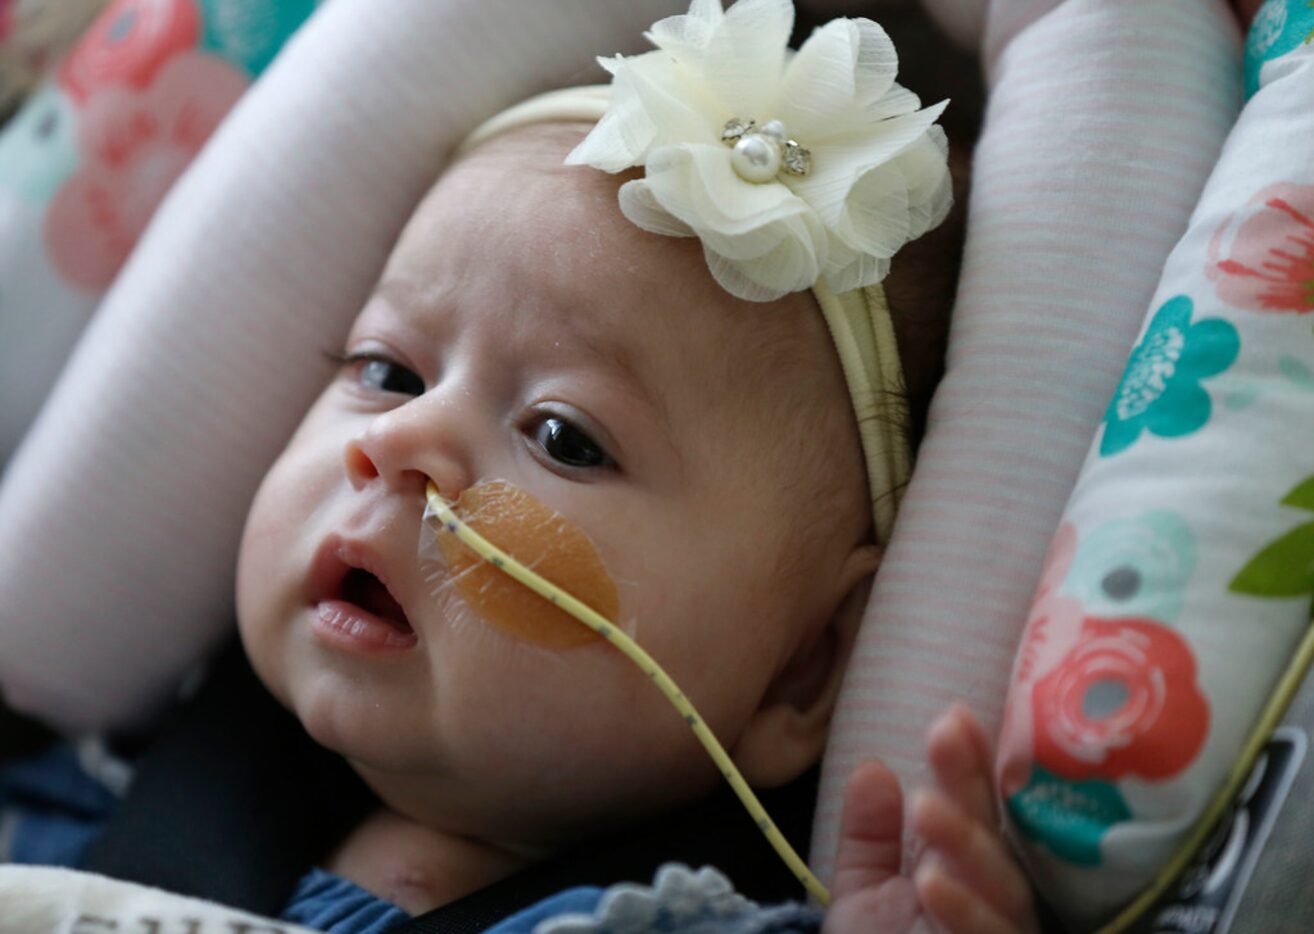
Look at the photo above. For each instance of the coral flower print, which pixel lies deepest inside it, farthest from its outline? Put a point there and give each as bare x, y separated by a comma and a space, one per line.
1052, 612
1052, 627
1263, 260
134, 148
128, 44
1123, 702
790, 169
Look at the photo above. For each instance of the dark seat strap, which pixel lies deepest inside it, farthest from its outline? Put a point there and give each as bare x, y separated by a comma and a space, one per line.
233, 801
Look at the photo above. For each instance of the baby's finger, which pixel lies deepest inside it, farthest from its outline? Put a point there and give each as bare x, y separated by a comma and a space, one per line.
890, 907
960, 757
871, 831
972, 855
954, 907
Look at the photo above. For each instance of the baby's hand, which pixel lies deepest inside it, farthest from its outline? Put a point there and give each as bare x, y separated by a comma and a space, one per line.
966, 880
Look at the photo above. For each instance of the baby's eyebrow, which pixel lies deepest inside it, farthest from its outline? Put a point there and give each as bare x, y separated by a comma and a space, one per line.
399, 293
621, 361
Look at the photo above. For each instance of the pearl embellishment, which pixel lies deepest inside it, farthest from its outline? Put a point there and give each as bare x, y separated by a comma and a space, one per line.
774, 130
756, 158
761, 152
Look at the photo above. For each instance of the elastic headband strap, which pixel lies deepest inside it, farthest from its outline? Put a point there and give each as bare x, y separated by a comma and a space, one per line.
860, 324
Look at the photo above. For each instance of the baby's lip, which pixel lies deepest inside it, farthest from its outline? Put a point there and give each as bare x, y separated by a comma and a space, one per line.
332, 577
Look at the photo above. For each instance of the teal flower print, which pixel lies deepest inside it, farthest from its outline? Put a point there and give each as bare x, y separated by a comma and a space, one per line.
249, 33
39, 146
1160, 391
1280, 26
1134, 566
1071, 818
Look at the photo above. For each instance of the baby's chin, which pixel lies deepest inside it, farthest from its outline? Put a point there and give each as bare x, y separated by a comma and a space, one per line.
514, 805
518, 822
335, 721
329, 704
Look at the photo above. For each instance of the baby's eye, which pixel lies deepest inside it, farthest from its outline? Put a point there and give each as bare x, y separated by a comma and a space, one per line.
375, 371
566, 444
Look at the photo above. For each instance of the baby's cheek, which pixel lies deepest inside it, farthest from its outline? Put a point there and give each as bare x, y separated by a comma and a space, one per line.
541, 539
259, 540
277, 542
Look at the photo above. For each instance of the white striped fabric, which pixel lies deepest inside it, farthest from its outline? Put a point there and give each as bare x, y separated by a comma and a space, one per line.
1105, 118
121, 513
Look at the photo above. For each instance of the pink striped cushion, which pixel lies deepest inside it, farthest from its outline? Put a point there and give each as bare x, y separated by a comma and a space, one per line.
1104, 120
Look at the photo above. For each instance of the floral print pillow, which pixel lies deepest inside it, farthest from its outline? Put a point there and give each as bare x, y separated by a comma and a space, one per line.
92, 153
1176, 595
127, 111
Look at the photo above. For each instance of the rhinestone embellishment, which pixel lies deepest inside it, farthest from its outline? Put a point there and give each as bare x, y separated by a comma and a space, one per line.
762, 153
735, 128
797, 160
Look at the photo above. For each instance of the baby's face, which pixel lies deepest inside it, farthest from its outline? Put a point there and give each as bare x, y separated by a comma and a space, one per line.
524, 332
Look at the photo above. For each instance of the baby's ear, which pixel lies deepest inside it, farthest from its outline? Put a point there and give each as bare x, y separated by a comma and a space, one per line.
788, 732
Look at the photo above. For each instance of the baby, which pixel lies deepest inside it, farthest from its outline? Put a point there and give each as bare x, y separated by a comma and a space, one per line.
544, 341
524, 331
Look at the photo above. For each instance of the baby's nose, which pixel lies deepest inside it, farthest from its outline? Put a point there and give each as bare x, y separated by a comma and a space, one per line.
404, 449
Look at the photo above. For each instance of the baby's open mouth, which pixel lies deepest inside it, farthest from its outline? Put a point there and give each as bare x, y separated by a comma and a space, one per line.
365, 590
352, 605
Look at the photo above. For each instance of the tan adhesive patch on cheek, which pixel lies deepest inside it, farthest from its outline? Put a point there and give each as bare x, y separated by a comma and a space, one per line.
541, 539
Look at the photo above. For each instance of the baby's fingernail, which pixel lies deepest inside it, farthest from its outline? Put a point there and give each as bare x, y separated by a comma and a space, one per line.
926, 813
928, 866
917, 803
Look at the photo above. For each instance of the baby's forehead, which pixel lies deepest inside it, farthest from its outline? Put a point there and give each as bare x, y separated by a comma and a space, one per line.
549, 241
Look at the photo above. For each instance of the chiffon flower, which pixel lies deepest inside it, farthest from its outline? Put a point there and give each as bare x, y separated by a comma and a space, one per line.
790, 168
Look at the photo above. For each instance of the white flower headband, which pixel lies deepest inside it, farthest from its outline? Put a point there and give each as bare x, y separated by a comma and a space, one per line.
796, 171
788, 168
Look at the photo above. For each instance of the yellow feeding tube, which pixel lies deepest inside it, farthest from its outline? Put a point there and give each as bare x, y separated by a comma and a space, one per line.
499, 559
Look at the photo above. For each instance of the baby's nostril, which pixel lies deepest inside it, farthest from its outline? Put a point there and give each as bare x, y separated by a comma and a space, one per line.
358, 463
